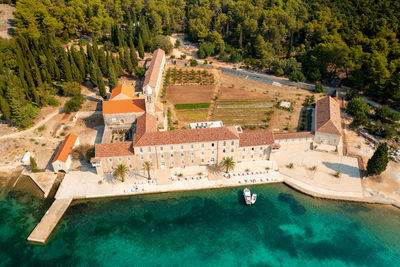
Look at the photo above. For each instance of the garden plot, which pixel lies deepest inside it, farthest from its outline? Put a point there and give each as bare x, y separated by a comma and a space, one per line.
184, 94
192, 115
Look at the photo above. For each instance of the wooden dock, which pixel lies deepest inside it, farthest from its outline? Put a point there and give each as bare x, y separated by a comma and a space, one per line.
46, 226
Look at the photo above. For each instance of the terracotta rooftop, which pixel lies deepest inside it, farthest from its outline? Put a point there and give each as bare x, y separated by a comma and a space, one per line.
327, 116
256, 138
187, 136
123, 89
144, 124
65, 148
124, 106
154, 69
114, 150
279, 136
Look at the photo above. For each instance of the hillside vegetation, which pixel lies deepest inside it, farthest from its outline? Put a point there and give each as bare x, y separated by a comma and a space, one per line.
354, 41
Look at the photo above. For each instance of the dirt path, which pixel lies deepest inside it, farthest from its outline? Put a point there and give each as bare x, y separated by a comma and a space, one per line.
6, 21
37, 125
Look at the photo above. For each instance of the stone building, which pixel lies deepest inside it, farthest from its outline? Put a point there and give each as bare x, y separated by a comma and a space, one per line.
153, 78
62, 159
328, 129
122, 113
181, 148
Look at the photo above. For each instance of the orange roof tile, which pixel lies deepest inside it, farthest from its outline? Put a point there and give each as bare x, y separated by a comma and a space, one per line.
256, 138
124, 89
186, 136
154, 69
145, 123
327, 116
124, 106
114, 150
65, 148
279, 136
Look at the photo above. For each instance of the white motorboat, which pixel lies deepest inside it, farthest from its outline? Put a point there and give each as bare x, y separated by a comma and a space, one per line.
247, 196
253, 198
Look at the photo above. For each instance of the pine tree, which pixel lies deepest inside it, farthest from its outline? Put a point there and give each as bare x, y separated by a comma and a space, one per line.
378, 162
127, 61
140, 47
134, 58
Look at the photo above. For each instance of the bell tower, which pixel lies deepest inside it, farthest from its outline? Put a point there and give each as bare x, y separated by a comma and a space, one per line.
148, 92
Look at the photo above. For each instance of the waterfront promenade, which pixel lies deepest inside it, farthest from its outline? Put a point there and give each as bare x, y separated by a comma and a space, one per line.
319, 182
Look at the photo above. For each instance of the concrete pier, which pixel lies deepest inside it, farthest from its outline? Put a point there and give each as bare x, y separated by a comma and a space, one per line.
46, 226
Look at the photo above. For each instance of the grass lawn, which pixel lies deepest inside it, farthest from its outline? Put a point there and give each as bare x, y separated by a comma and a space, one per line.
192, 105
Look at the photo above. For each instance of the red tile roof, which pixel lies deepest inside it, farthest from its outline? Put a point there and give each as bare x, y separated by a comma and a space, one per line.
256, 138
124, 89
327, 116
65, 148
124, 106
154, 69
144, 124
114, 150
187, 136
296, 135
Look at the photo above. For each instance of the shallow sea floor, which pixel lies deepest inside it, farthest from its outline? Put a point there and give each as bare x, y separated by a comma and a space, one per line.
204, 228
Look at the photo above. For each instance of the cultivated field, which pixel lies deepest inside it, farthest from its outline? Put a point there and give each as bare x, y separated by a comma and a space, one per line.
184, 94
192, 115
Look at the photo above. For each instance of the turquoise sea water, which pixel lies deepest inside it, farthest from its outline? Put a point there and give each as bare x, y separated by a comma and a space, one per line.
204, 228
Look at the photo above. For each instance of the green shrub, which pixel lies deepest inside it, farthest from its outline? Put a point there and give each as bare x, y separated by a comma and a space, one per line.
297, 76
192, 105
53, 102
42, 128
74, 104
319, 88
33, 163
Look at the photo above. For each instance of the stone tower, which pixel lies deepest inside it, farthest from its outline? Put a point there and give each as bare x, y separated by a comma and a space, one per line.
150, 108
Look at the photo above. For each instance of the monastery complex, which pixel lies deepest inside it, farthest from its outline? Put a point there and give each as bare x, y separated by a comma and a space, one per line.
139, 124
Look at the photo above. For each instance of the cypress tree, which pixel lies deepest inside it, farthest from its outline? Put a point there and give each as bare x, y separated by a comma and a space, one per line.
117, 66
65, 66
134, 58
140, 47
95, 49
93, 74
77, 58
378, 162
112, 78
102, 88
127, 60
76, 73
84, 61
90, 54
102, 62
5, 108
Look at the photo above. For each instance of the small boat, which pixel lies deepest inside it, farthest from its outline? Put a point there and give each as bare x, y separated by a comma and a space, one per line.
253, 198
247, 196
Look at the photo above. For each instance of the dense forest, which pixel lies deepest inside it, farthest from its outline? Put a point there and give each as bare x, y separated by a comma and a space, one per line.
354, 42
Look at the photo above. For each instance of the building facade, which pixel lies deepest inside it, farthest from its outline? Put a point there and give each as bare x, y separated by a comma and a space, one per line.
153, 77
328, 129
62, 159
